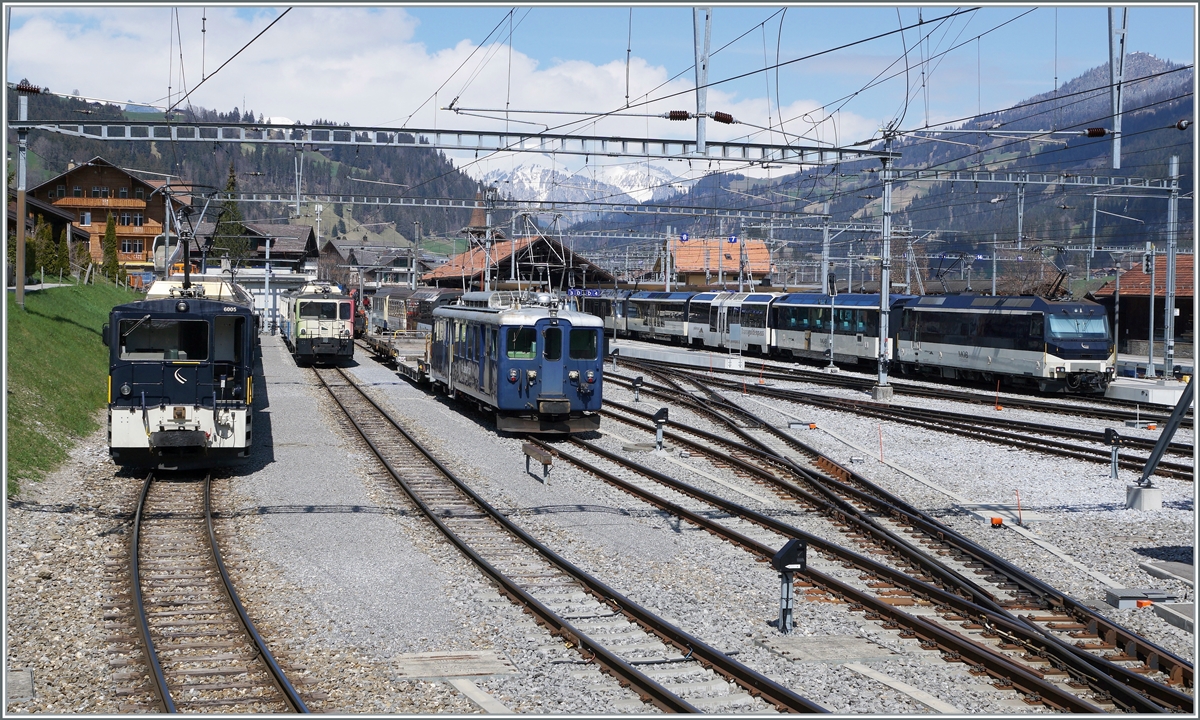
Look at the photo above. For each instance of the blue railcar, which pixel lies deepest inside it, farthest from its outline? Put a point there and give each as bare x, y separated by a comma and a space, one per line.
537, 366
181, 375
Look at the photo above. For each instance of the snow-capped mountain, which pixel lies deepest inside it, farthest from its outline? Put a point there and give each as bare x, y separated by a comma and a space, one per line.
615, 184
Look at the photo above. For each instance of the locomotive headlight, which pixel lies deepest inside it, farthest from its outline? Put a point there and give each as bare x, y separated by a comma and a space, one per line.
532, 376
1060, 369
181, 306
574, 375
591, 376
512, 375
125, 390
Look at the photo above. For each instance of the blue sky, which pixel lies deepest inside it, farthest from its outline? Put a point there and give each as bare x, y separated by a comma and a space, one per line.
382, 65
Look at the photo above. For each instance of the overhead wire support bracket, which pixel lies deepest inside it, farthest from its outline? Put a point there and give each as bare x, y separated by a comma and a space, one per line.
449, 139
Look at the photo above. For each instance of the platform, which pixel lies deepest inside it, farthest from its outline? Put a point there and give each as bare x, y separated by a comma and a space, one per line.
698, 358
1151, 392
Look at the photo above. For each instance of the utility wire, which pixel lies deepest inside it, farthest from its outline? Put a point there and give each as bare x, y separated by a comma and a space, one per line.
239, 52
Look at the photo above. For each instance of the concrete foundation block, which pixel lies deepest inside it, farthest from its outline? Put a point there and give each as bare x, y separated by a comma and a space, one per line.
1143, 498
882, 393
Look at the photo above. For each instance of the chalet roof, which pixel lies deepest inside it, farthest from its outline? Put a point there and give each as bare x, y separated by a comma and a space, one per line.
689, 257
378, 257
94, 162
36, 207
1137, 283
289, 239
472, 262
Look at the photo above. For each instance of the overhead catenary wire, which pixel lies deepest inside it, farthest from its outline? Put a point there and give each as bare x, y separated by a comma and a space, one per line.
231, 58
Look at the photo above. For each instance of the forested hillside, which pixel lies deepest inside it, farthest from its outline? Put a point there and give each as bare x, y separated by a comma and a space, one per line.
261, 168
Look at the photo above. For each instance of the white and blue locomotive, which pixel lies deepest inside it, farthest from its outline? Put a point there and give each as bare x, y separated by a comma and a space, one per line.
537, 365
181, 375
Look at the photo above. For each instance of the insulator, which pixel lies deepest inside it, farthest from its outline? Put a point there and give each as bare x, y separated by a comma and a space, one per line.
25, 87
723, 118
678, 115
1096, 132
1183, 124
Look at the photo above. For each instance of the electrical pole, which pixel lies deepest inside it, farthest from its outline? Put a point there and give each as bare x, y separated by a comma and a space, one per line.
825, 251
414, 253
1020, 214
1093, 250
995, 252
23, 93
882, 391
701, 15
1169, 309
1153, 281
1116, 67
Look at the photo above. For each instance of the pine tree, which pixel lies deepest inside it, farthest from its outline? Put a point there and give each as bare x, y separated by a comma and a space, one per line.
109, 246
230, 234
64, 254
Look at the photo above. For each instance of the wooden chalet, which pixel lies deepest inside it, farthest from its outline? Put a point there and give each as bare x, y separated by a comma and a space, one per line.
292, 246
90, 192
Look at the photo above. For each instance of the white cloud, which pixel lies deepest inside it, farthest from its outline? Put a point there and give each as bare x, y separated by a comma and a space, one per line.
365, 66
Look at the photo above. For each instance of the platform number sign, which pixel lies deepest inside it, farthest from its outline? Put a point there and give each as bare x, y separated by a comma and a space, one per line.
732, 239
683, 237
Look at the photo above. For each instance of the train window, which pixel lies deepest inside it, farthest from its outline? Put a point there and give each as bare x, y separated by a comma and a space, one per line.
552, 343
145, 339
1063, 327
344, 311
698, 312
314, 310
632, 310
521, 341
734, 316
583, 344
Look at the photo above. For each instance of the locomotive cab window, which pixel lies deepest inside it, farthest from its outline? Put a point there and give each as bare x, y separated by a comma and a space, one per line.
314, 310
552, 343
228, 335
145, 339
521, 342
583, 344
344, 311
1064, 327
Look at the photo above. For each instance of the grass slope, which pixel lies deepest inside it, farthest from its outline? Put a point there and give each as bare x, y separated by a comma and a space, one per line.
57, 374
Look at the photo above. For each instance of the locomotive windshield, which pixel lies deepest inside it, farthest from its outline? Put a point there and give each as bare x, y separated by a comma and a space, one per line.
583, 344
314, 310
143, 339
1078, 328
520, 342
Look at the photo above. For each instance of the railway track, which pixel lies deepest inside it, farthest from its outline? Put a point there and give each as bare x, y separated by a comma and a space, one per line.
1037, 437
201, 648
662, 664
1097, 407
1065, 629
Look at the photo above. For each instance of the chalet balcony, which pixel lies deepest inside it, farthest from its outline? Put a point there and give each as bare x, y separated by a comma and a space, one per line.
93, 203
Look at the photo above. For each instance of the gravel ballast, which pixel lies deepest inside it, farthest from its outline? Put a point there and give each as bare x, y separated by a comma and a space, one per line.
335, 563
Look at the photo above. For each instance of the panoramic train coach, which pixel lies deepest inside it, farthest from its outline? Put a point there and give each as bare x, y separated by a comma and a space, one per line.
318, 323
537, 366
805, 325
1052, 345
181, 375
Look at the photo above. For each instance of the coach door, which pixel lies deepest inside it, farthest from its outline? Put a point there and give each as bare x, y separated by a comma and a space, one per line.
552, 347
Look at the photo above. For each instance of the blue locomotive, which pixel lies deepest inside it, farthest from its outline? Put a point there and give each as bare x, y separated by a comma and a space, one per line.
538, 366
181, 375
